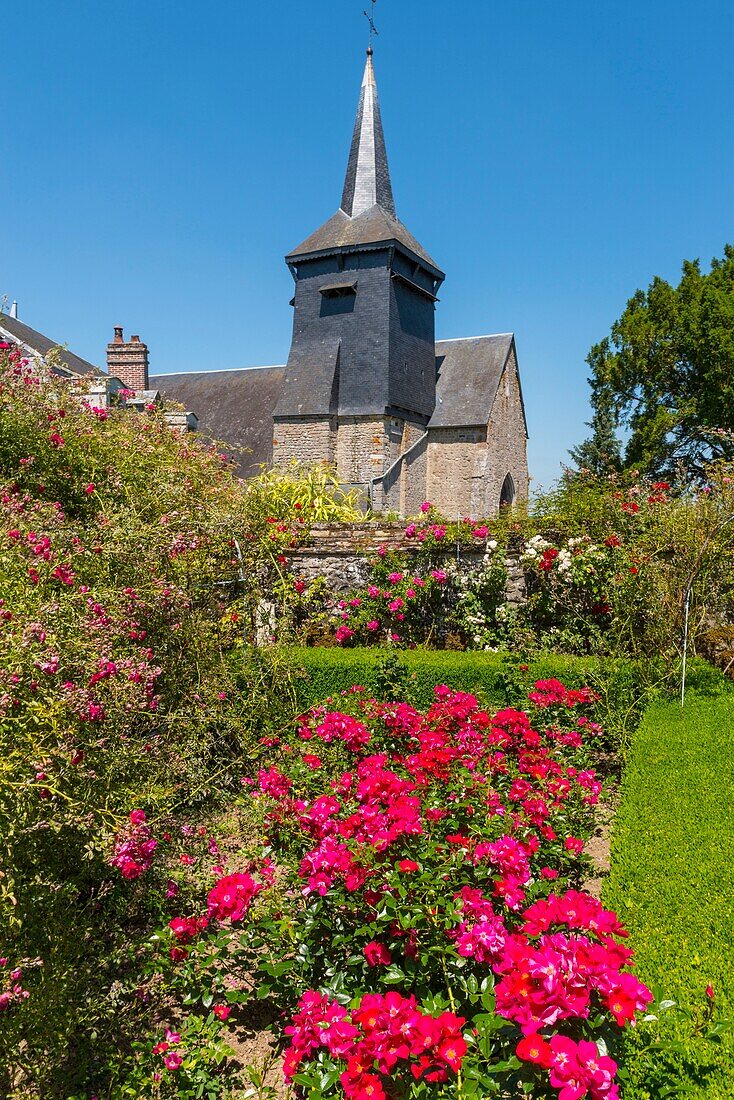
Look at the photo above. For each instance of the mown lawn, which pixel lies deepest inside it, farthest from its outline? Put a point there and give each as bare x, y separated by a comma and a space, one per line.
672, 883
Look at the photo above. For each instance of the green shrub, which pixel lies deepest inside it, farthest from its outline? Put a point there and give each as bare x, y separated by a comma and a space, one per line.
124, 548
496, 679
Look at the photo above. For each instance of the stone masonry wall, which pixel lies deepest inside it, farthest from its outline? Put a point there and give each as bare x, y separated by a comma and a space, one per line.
467, 467
341, 553
403, 489
506, 441
413, 470
457, 471
307, 439
361, 447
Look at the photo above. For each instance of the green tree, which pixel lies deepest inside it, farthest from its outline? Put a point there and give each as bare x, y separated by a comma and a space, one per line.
666, 372
601, 453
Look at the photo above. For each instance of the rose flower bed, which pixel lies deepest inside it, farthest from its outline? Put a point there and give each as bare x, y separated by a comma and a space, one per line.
413, 914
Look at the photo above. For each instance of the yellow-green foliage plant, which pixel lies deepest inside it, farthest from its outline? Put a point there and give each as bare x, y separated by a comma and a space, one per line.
309, 493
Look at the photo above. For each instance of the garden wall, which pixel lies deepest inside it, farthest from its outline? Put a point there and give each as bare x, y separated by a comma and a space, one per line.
340, 553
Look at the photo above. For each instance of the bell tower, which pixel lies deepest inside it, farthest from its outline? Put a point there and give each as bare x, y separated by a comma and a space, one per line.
360, 380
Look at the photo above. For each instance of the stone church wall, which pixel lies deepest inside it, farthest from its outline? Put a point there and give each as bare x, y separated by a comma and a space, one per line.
361, 449
460, 470
457, 470
414, 470
308, 439
403, 489
506, 441
467, 466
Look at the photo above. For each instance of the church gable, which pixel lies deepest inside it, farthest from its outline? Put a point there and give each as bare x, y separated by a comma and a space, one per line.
468, 374
507, 475
477, 436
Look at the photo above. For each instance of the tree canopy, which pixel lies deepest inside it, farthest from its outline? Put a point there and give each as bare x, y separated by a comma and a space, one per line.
665, 375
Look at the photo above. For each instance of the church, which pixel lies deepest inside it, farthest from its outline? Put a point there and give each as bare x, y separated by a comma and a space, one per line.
367, 388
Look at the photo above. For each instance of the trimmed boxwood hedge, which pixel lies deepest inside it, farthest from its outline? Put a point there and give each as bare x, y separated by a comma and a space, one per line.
490, 676
497, 679
296, 679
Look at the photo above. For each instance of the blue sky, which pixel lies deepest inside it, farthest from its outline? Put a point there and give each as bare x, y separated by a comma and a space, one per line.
161, 158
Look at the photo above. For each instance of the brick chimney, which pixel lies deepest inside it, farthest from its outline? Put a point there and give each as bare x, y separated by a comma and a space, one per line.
128, 361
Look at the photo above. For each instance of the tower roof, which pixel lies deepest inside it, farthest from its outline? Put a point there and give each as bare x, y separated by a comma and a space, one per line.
368, 177
367, 213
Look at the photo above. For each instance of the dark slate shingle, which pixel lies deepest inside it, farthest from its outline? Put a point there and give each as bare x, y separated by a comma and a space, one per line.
311, 380
233, 406
374, 226
368, 177
468, 375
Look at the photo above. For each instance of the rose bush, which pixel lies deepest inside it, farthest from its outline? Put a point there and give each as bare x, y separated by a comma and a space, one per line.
424, 871
123, 544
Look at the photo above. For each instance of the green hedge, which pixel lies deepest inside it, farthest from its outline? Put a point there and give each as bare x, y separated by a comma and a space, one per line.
490, 676
295, 679
496, 679
672, 884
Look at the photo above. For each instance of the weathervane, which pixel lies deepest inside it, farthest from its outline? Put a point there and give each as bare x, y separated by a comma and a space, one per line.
370, 17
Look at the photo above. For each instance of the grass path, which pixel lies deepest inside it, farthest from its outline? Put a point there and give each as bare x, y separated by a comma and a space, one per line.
672, 883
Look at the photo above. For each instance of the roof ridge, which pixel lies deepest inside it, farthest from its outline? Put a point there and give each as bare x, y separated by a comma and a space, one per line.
220, 370
487, 336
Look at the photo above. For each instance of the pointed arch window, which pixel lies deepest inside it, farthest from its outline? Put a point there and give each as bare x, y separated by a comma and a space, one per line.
507, 493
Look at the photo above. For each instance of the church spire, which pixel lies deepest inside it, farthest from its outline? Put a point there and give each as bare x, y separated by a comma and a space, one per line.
368, 177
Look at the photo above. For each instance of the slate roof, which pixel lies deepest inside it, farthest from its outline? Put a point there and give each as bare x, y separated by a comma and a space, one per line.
41, 344
468, 373
367, 214
311, 380
368, 177
374, 226
233, 406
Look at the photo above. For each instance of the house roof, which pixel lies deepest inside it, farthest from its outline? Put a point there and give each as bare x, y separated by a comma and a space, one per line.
468, 374
233, 406
42, 345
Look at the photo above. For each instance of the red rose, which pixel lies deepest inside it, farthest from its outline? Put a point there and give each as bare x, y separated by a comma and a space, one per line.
377, 954
533, 1048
